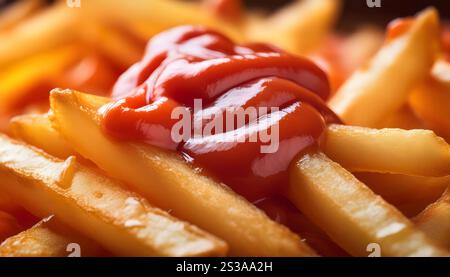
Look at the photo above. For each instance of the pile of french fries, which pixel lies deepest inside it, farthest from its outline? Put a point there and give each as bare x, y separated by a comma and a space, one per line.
383, 178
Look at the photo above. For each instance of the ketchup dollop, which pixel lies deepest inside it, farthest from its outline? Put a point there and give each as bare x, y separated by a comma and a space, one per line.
192, 63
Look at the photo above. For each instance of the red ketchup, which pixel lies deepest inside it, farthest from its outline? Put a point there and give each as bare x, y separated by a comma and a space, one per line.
446, 41
398, 28
192, 63
230, 10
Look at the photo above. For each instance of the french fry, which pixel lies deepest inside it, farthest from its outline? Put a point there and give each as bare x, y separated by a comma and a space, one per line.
16, 81
53, 27
97, 206
167, 181
6, 204
42, 240
18, 12
36, 130
299, 27
9, 206
410, 194
434, 220
8, 225
404, 118
382, 87
431, 102
361, 46
155, 16
413, 152
441, 71
351, 214
116, 47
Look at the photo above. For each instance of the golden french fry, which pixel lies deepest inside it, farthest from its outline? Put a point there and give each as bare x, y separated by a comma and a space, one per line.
410, 194
48, 29
299, 27
97, 206
434, 220
19, 11
382, 87
42, 240
155, 16
412, 152
36, 130
116, 47
17, 81
351, 214
404, 118
431, 102
8, 225
361, 46
6, 204
441, 72
167, 181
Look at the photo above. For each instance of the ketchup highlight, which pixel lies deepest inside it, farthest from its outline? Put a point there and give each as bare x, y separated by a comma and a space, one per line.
192, 63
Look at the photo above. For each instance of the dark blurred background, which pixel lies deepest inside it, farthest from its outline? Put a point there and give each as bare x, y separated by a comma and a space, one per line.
353, 10
358, 11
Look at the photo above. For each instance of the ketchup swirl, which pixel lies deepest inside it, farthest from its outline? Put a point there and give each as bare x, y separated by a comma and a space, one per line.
191, 63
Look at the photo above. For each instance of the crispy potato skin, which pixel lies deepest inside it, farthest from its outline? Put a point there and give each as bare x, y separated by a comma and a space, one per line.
351, 214
48, 238
396, 151
381, 87
434, 220
166, 180
97, 206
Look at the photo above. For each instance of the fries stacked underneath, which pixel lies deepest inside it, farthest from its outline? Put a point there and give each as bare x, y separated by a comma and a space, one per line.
66, 187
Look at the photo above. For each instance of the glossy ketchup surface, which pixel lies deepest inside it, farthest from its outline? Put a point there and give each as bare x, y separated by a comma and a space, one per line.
190, 63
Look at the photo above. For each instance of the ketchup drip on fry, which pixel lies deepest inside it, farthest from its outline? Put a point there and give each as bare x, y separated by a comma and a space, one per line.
192, 63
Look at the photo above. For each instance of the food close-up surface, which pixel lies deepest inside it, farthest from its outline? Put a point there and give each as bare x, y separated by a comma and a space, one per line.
215, 128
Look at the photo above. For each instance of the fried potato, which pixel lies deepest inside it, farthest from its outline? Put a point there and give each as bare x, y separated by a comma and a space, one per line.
297, 28
431, 102
119, 49
6, 204
167, 181
42, 240
36, 129
351, 214
8, 225
413, 152
404, 118
16, 81
17, 12
434, 220
441, 71
53, 27
410, 194
97, 206
154, 16
382, 87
